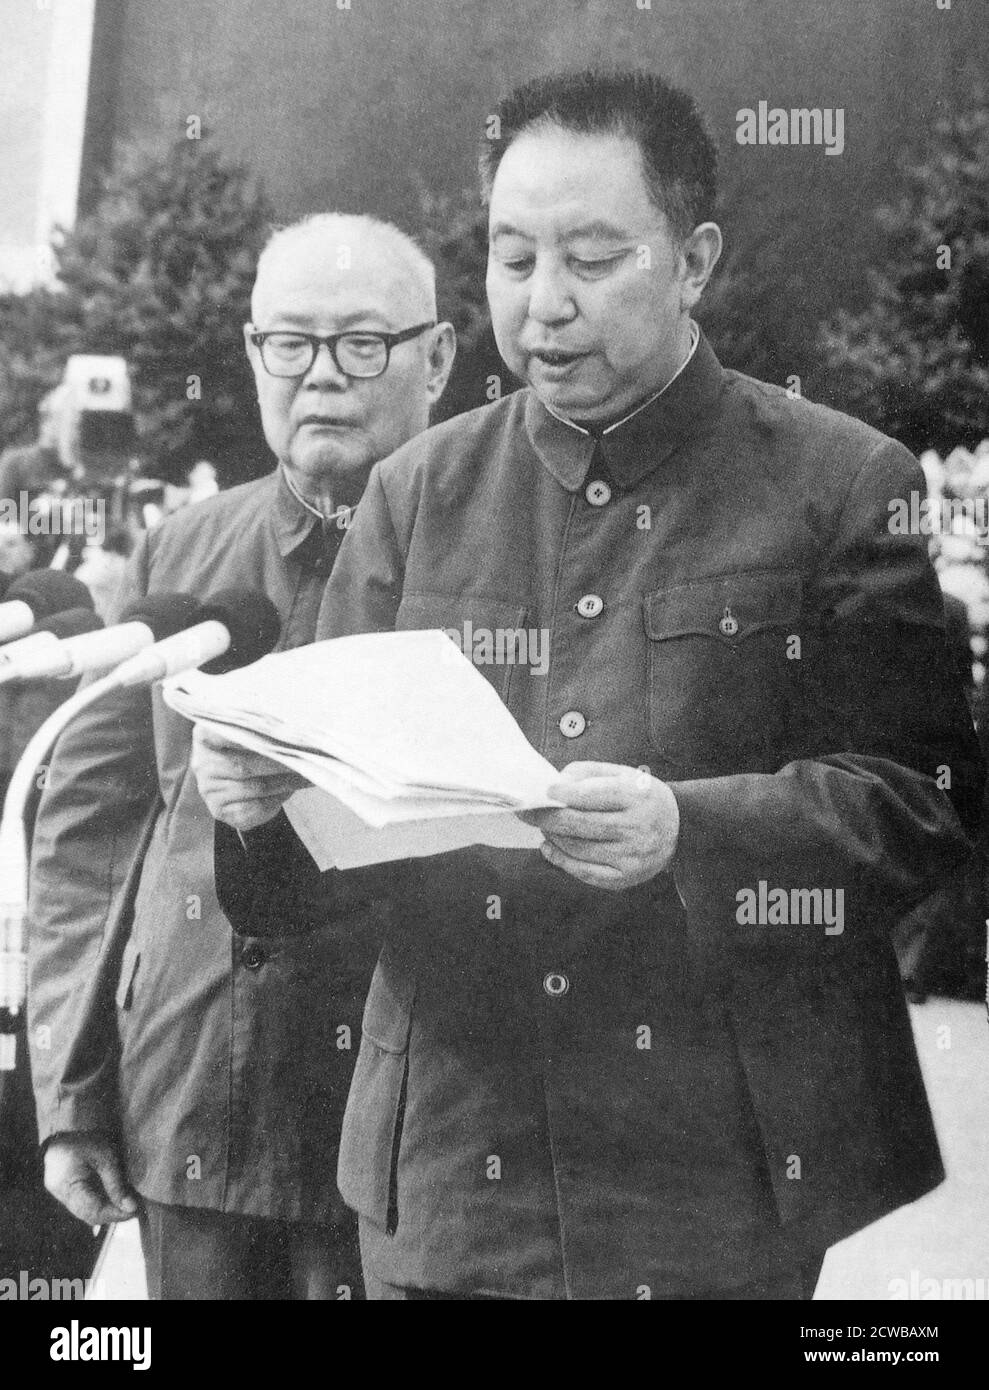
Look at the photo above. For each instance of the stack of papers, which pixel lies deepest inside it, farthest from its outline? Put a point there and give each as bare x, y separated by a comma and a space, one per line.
408, 748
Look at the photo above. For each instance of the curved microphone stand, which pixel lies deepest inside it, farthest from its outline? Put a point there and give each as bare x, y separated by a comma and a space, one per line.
14, 865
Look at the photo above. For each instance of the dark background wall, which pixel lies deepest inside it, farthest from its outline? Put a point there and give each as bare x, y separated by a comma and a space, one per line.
356, 108
363, 108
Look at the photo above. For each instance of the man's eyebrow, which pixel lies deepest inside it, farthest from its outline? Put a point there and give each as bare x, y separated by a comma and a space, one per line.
600, 230
302, 322
506, 229
361, 316
597, 229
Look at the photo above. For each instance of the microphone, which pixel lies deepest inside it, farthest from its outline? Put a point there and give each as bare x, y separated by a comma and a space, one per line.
39, 594
159, 614
253, 623
146, 621
239, 626
46, 636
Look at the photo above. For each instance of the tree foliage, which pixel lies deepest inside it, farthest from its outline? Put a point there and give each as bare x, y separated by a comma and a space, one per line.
915, 361
454, 233
161, 273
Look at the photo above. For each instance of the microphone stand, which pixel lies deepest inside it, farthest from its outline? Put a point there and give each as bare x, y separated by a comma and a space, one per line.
14, 865
211, 640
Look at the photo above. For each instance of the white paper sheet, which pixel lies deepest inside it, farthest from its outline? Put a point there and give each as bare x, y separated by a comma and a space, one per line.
409, 750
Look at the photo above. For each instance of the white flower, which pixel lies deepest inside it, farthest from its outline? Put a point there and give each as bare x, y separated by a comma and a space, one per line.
969, 583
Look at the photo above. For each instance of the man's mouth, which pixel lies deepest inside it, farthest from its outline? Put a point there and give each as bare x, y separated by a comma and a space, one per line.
555, 358
325, 422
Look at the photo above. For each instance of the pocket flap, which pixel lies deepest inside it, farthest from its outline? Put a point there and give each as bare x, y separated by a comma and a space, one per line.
729, 607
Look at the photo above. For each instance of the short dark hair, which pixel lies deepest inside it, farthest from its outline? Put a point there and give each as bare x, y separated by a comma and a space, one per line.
679, 158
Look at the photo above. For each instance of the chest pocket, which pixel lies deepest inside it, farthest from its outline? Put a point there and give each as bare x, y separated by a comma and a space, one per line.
723, 672
490, 632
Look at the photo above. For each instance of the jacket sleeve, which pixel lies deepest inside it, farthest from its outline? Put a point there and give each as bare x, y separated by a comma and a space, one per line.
94, 821
886, 790
266, 880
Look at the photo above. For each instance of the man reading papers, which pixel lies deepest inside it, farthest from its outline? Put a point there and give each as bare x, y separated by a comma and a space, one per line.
585, 1071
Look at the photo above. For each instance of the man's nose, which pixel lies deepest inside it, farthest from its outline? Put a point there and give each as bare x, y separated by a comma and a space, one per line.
549, 299
324, 372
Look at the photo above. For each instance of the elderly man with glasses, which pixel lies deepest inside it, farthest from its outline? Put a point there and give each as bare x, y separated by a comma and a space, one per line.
181, 1072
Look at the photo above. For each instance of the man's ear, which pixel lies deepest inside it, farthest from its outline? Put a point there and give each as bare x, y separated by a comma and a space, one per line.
249, 347
442, 351
700, 252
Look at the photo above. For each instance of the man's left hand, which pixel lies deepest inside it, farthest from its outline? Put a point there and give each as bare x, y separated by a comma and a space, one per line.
619, 827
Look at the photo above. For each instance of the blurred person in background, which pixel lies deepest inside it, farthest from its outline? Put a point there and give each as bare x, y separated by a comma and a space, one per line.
36, 473
16, 555
36, 468
102, 569
180, 1072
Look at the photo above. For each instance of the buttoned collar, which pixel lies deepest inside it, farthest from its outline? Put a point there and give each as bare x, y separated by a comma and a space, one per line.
301, 531
635, 445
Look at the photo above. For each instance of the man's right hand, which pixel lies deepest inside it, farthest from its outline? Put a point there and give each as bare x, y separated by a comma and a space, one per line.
84, 1173
240, 788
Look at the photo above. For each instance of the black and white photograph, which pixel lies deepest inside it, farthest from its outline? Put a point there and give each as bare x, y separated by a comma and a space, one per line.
494, 631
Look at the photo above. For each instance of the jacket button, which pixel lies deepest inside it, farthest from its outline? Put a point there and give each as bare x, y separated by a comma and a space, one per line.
590, 605
253, 956
573, 724
556, 984
598, 493
728, 624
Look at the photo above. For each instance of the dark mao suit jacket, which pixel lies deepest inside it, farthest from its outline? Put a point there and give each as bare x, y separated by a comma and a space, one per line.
568, 1093
219, 1062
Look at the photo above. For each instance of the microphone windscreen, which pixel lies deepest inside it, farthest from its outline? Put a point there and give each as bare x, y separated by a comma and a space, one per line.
165, 613
49, 591
252, 621
74, 622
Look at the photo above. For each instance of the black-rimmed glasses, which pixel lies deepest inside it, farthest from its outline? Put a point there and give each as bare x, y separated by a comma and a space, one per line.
359, 353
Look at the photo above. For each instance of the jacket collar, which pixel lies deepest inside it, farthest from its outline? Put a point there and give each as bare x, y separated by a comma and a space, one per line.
641, 442
301, 532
